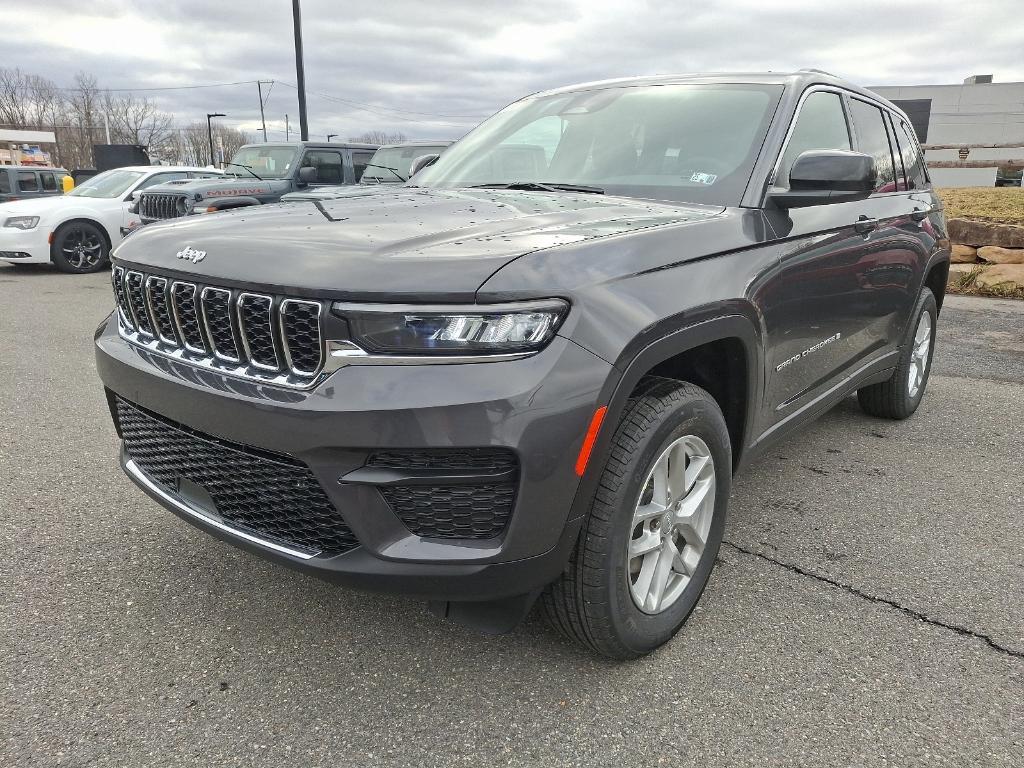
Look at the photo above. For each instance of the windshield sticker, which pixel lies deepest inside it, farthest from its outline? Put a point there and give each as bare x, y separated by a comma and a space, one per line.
703, 178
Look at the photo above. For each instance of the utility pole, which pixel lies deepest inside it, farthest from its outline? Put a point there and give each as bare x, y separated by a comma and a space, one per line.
106, 125
300, 72
263, 119
209, 131
287, 129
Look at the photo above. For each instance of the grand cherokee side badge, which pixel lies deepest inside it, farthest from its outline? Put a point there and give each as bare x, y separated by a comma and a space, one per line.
191, 254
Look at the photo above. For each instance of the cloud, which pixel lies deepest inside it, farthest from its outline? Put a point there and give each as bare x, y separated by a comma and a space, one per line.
432, 70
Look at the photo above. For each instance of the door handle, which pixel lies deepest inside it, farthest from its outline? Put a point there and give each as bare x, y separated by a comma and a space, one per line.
863, 225
920, 214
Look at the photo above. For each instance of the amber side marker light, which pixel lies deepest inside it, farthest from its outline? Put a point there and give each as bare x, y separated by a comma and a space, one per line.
588, 441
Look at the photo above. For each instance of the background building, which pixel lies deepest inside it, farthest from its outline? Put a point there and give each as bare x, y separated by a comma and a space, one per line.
971, 114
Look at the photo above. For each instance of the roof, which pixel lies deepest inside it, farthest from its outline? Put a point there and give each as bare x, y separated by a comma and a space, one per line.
439, 143
145, 168
34, 168
798, 80
309, 143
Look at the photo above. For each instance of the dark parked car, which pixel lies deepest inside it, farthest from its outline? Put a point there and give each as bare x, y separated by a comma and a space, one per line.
20, 182
258, 174
532, 374
391, 164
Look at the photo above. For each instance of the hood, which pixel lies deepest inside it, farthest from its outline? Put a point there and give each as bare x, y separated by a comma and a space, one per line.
37, 206
427, 243
227, 186
334, 192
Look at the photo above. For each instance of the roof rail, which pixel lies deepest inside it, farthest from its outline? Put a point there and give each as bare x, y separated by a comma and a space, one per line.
818, 71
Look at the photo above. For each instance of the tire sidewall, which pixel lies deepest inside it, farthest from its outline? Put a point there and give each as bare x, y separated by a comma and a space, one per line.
57, 253
639, 631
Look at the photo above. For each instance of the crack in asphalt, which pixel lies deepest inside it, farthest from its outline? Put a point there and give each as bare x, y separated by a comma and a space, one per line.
963, 631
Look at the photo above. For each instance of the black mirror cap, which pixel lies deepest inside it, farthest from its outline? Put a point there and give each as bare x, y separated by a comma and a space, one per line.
422, 162
823, 176
307, 174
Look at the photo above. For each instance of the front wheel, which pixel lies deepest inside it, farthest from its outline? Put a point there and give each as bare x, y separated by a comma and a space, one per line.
650, 541
899, 395
79, 247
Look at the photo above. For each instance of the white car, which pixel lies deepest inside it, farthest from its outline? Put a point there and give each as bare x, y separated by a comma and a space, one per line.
78, 230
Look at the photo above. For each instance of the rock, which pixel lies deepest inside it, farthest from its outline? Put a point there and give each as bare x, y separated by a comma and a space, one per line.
1008, 278
995, 254
958, 275
963, 254
978, 233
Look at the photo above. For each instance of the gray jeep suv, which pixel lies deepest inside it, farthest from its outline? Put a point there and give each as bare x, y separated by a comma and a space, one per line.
532, 372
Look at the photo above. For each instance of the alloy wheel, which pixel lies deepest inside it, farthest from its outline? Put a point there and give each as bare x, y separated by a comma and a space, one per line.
82, 248
919, 354
671, 523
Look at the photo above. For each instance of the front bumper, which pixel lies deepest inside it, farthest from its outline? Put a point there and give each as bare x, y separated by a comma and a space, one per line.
539, 407
25, 246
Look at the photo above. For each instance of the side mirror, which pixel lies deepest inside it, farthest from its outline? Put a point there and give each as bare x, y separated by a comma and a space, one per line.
421, 162
308, 175
823, 176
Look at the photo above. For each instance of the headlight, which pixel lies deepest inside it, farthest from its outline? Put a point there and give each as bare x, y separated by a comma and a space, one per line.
439, 330
189, 205
22, 222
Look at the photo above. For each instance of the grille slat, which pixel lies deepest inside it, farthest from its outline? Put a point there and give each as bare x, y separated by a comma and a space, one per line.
156, 206
300, 329
251, 335
217, 317
137, 302
163, 322
273, 497
256, 326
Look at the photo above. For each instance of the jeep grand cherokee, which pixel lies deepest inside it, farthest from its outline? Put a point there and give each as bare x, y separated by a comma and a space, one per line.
533, 372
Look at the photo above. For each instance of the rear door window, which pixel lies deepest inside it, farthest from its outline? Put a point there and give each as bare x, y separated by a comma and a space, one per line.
821, 124
873, 139
913, 163
359, 161
28, 181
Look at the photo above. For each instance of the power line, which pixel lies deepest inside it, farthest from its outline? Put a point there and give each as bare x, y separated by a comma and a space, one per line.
384, 110
165, 87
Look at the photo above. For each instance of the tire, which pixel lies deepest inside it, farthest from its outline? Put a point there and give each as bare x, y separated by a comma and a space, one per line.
899, 396
80, 247
593, 601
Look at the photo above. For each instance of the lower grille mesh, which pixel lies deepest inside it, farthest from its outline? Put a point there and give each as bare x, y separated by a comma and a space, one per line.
273, 497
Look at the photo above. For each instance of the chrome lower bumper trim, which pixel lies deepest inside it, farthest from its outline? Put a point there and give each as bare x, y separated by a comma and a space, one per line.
136, 474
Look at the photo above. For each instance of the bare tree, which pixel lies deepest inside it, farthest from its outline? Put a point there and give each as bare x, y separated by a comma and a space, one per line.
136, 121
380, 137
192, 144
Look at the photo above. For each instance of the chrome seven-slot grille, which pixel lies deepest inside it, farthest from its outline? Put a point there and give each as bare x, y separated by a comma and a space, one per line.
153, 205
254, 335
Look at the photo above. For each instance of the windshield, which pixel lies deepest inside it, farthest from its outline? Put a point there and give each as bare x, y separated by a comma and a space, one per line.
107, 184
399, 158
266, 161
693, 143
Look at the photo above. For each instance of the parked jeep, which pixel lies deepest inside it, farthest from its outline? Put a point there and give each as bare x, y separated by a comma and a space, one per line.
391, 164
530, 373
258, 174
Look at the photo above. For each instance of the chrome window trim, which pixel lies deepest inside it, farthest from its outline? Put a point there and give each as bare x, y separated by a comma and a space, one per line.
177, 317
152, 312
131, 305
282, 311
245, 339
209, 289
135, 473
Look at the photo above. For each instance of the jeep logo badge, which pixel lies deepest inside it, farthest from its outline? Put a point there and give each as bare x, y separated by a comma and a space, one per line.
191, 254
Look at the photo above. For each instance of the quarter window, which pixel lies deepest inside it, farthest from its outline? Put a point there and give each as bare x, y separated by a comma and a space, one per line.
5, 182
27, 181
873, 139
329, 168
821, 124
49, 182
913, 163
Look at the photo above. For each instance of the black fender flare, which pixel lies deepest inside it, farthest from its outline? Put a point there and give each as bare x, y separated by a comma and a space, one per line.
617, 389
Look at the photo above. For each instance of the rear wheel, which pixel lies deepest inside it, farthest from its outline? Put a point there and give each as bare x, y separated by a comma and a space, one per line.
649, 543
79, 247
900, 395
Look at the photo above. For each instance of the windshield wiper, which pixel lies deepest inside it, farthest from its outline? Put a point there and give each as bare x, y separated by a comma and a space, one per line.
250, 170
543, 186
387, 168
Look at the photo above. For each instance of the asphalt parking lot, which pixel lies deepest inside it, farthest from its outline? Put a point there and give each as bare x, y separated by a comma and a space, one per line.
868, 608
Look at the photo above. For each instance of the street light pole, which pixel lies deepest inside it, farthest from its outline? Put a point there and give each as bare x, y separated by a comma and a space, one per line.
300, 72
209, 131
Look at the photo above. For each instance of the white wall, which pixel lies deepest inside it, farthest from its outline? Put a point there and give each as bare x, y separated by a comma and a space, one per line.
963, 177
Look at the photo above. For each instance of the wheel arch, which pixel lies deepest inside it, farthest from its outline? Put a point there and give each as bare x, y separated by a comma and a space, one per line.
688, 351
81, 220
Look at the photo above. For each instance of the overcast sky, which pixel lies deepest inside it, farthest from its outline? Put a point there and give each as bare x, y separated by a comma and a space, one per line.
434, 69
